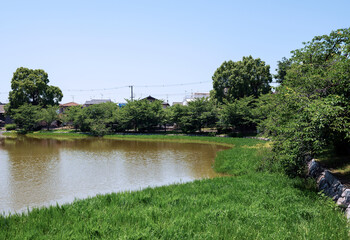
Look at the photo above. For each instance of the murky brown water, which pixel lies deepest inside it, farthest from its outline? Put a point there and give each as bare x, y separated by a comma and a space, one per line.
40, 172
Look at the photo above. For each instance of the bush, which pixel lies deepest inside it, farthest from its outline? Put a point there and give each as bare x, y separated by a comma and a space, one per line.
10, 127
99, 129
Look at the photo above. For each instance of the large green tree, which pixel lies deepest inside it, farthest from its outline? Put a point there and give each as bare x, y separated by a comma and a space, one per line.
310, 112
234, 80
196, 115
27, 117
31, 86
99, 119
238, 115
49, 115
141, 115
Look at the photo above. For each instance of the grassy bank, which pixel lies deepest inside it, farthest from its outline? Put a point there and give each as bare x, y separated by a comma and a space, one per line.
49, 134
251, 204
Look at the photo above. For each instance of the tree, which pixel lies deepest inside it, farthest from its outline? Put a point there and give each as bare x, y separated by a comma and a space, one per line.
176, 112
282, 67
234, 80
71, 116
238, 115
198, 114
321, 67
49, 115
310, 112
141, 115
26, 117
31, 87
98, 119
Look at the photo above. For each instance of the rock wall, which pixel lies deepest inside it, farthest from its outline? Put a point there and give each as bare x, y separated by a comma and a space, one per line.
331, 186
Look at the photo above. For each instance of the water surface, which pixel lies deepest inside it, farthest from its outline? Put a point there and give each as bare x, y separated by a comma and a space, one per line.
41, 172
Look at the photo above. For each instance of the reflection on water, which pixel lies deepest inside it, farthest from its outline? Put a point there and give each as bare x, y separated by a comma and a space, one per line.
40, 172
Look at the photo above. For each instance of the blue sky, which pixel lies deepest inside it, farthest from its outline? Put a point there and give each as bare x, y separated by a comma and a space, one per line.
96, 45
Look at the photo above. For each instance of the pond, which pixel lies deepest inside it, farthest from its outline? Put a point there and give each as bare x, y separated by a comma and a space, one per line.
41, 172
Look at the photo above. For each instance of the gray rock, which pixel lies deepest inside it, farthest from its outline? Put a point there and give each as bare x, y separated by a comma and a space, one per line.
331, 186
315, 169
344, 199
347, 212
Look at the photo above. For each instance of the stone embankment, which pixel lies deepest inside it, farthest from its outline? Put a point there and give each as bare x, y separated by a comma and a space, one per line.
331, 186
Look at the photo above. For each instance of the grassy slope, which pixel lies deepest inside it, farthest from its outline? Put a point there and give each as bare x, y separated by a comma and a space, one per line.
249, 205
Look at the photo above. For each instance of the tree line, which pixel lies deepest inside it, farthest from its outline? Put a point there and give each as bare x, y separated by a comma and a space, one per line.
308, 113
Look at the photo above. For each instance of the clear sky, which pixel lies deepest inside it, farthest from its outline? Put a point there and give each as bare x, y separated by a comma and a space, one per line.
97, 45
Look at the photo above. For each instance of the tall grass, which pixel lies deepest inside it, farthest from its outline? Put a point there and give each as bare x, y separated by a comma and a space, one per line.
251, 204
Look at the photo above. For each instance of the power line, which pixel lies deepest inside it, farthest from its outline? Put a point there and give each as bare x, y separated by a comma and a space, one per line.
92, 90
138, 86
172, 85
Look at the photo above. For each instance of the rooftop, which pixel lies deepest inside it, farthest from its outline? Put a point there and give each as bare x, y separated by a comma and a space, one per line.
70, 104
97, 101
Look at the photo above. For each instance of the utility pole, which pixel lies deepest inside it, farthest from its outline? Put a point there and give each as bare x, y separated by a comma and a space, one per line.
132, 92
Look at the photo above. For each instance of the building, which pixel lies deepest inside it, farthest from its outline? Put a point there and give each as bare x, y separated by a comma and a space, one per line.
96, 101
152, 99
3, 118
63, 107
177, 103
194, 96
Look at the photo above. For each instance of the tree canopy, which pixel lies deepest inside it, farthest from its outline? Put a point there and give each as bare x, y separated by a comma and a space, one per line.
234, 80
282, 67
31, 86
310, 112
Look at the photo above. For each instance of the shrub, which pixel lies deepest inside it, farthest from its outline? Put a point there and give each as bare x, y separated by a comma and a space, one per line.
10, 127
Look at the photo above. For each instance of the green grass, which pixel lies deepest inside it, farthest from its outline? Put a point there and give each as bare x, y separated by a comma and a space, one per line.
251, 204
50, 134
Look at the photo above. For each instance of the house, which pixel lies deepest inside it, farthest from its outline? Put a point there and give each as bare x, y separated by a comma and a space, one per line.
96, 101
177, 103
3, 118
2, 115
152, 99
63, 107
194, 96
165, 105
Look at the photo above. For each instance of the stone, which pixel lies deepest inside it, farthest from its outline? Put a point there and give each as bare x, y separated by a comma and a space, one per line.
344, 199
347, 212
331, 186
315, 169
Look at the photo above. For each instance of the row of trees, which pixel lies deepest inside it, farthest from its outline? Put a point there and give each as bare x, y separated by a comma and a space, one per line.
140, 116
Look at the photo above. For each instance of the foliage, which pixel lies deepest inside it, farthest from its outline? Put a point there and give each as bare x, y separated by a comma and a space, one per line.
72, 116
198, 114
141, 115
310, 112
238, 115
31, 87
10, 127
26, 117
234, 80
282, 67
49, 115
99, 119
